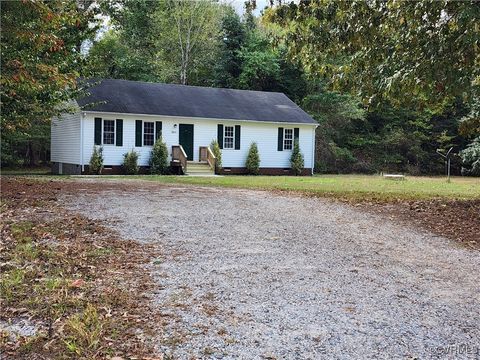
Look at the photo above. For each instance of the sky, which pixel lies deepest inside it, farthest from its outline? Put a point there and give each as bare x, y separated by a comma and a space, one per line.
239, 5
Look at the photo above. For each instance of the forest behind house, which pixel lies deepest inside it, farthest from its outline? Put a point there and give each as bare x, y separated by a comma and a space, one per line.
390, 83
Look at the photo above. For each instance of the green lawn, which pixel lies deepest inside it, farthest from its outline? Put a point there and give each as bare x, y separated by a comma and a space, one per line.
358, 187
355, 187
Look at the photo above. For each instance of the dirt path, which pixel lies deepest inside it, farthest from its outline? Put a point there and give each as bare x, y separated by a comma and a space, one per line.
247, 274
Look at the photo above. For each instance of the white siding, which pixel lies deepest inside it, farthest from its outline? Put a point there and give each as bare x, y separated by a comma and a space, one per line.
65, 138
264, 134
266, 137
112, 154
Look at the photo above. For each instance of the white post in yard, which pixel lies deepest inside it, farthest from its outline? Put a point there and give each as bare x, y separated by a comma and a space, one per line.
447, 160
448, 170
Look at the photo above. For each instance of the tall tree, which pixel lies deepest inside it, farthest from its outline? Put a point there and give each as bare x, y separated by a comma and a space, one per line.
260, 64
107, 58
423, 54
40, 42
187, 36
335, 113
232, 38
265, 67
127, 50
163, 40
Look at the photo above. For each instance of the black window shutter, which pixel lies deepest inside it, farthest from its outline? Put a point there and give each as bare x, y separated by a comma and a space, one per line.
98, 131
138, 133
280, 139
296, 134
119, 132
237, 137
220, 135
158, 130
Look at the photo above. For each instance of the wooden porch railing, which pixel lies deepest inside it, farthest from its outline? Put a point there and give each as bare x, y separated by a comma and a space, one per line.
203, 153
211, 159
179, 156
206, 154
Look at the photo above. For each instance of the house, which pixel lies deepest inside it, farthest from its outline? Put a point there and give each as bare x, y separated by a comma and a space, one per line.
122, 115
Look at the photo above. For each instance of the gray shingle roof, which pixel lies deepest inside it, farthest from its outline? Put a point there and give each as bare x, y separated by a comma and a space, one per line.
134, 97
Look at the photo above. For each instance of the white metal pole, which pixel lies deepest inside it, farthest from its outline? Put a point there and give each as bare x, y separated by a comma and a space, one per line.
448, 170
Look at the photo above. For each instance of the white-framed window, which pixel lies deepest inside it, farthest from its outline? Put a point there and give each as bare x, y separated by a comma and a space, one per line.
288, 139
148, 133
109, 132
228, 137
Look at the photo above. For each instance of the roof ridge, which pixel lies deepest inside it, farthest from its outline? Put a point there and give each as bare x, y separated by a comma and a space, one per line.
193, 86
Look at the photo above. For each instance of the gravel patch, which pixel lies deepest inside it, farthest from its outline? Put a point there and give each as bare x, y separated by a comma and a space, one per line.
253, 275
19, 327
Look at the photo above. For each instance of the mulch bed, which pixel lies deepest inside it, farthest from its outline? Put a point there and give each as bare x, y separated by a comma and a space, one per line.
454, 219
457, 220
84, 290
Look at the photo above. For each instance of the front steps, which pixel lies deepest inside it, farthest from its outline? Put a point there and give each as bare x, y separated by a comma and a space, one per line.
196, 168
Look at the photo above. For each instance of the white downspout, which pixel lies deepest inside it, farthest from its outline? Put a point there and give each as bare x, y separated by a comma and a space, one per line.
81, 140
313, 147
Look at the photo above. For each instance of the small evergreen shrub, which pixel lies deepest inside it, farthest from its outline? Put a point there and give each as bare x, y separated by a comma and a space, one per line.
96, 160
471, 158
253, 160
130, 162
159, 158
296, 160
218, 155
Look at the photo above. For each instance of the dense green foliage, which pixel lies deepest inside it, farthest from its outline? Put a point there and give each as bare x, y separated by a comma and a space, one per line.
471, 158
127, 50
169, 41
359, 132
217, 152
27, 147
422, 53
231, 38
385, 139
159, 158
96, 161
110, 58
336, 113
40, 62
130, 163
296, 159
185, 33
253, 160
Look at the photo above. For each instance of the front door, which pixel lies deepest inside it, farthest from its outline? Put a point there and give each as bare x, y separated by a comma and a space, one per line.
186, 139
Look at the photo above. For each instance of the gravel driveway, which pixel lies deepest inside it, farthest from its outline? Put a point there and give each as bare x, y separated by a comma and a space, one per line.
252, 275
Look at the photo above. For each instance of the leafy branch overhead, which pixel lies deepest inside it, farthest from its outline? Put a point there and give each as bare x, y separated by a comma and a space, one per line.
41, 58
420, 54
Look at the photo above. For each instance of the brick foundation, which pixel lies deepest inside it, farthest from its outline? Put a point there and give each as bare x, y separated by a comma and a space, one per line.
262, 171
118, 170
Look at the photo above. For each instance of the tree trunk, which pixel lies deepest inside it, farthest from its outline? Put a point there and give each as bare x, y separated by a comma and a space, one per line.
32, 156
